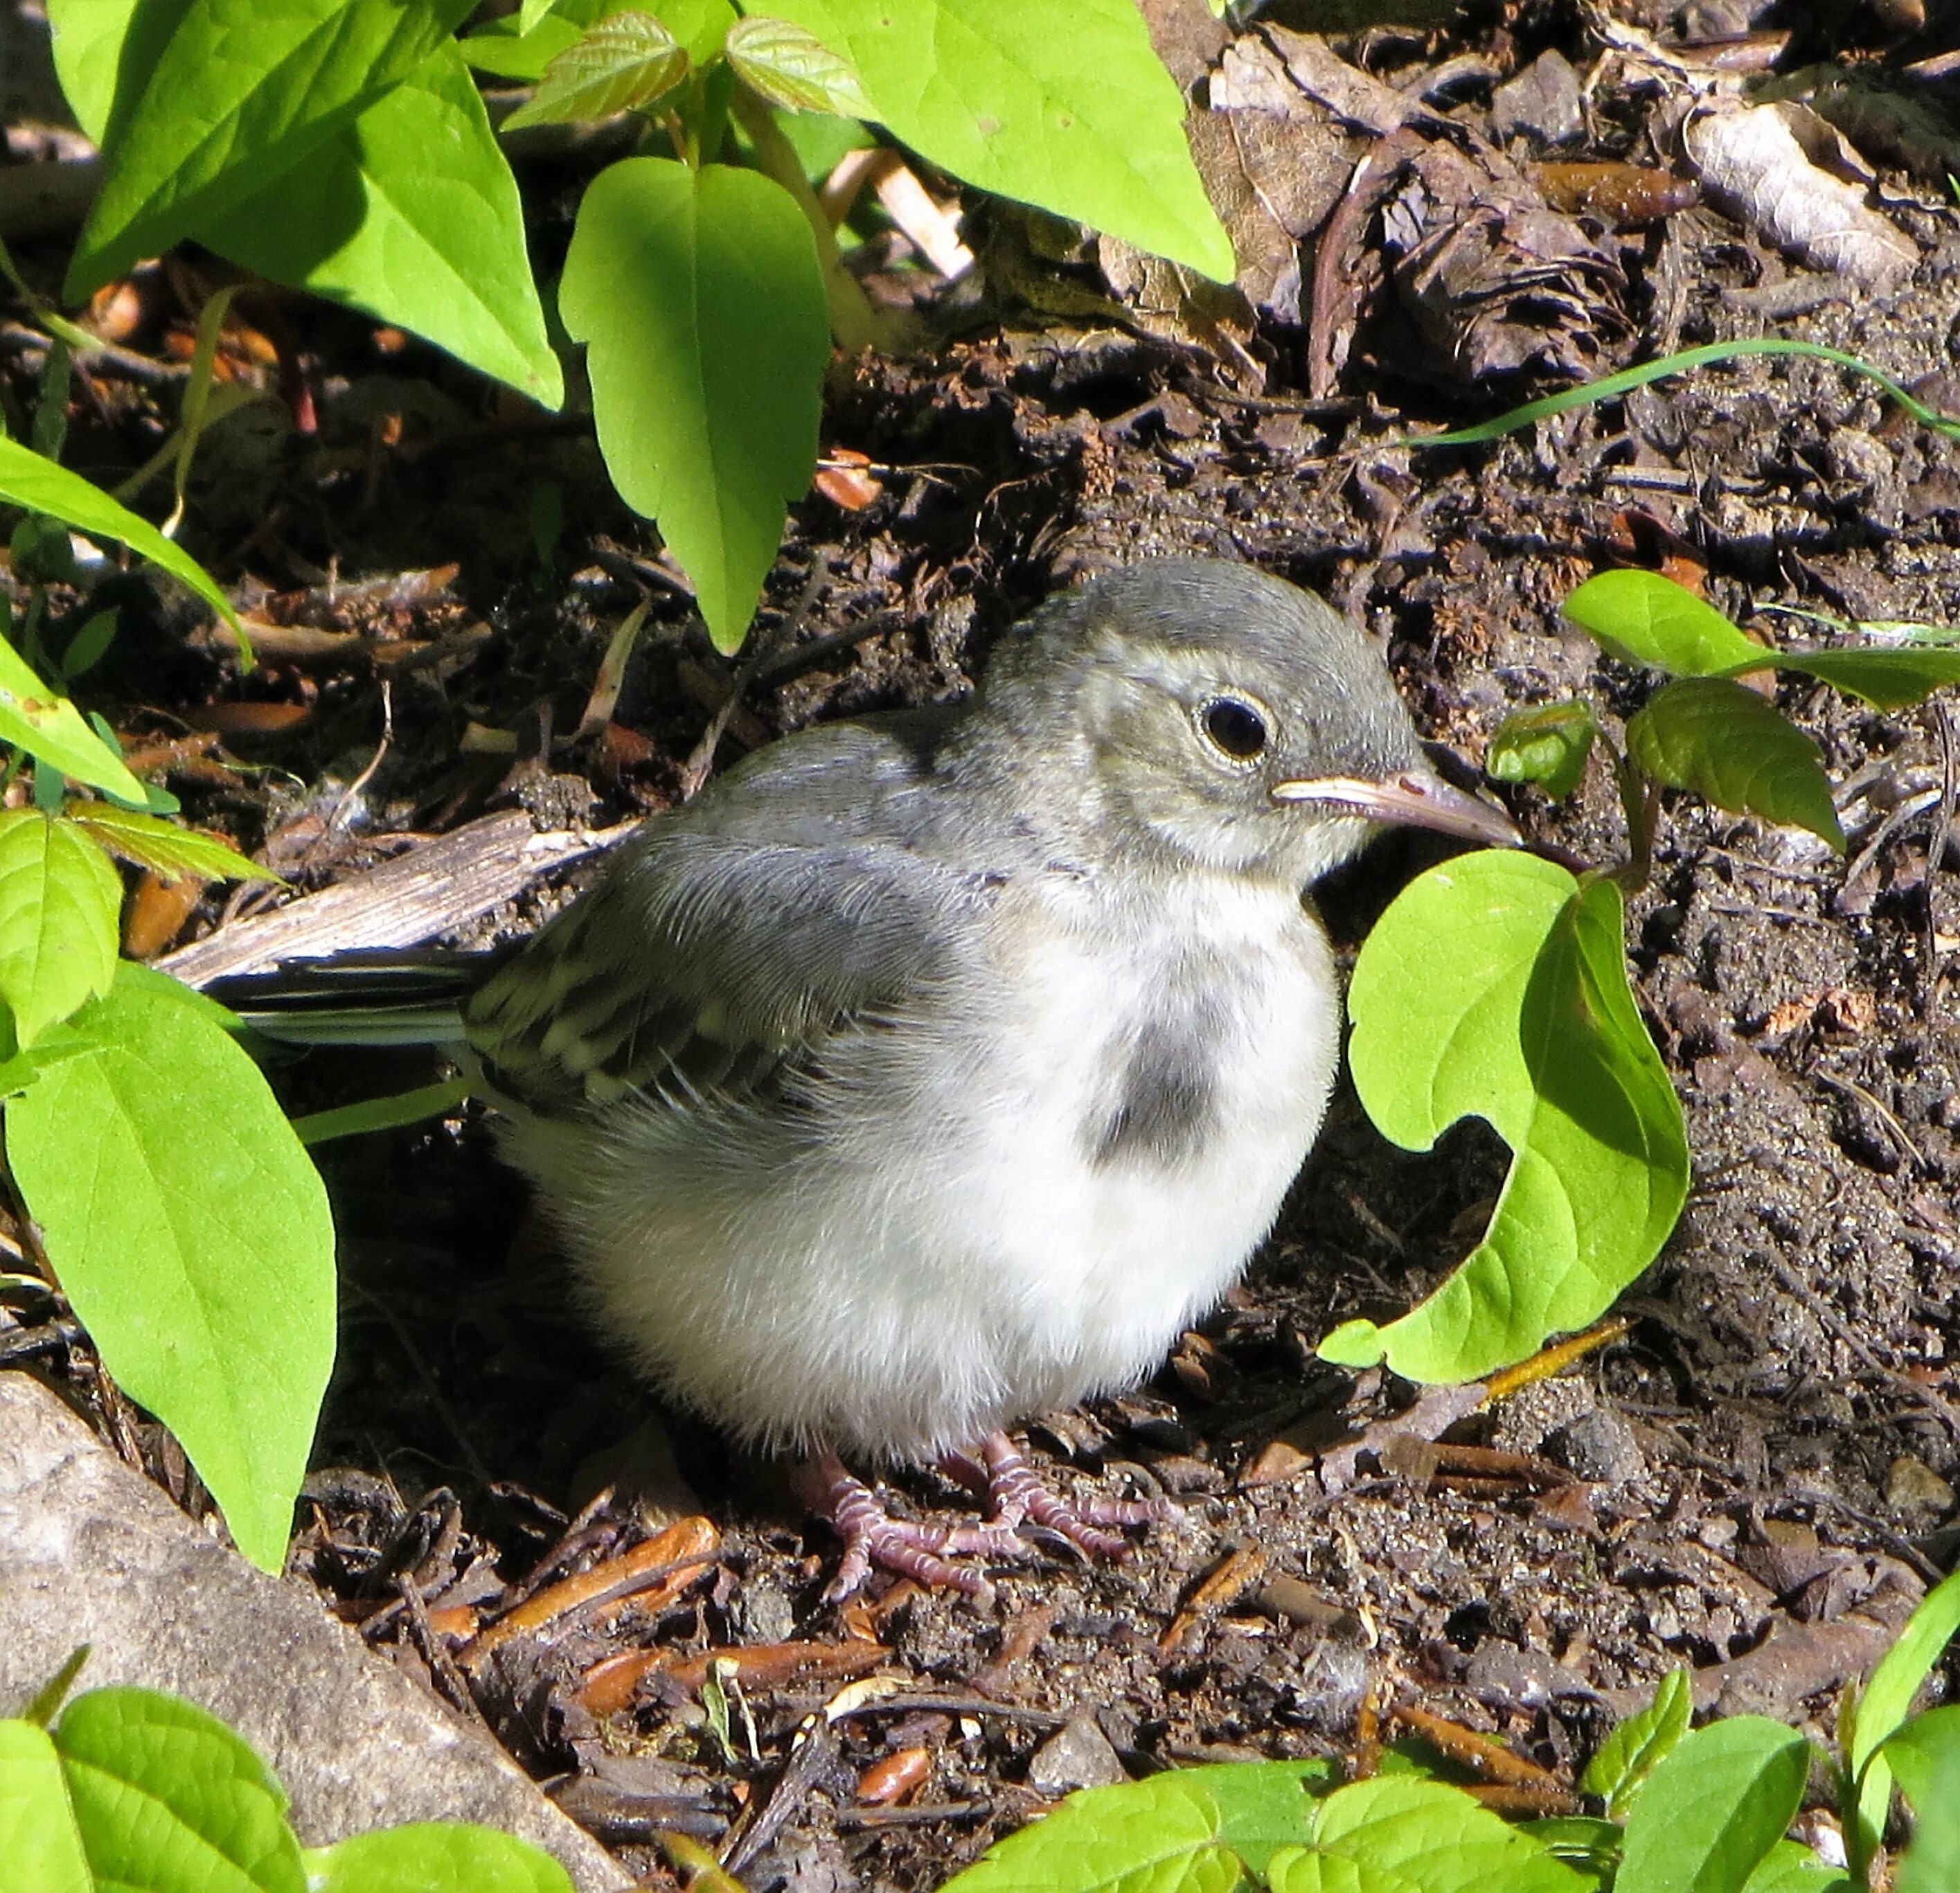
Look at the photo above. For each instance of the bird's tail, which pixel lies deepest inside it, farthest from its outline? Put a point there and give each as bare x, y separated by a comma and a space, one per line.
386, 996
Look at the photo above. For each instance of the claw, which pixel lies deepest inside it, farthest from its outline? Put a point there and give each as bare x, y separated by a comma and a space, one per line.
1016, 1498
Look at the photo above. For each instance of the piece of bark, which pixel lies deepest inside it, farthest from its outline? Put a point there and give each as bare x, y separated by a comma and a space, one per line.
418, 896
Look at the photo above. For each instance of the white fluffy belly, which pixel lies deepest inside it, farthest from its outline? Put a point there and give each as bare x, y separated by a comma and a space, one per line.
966, 1228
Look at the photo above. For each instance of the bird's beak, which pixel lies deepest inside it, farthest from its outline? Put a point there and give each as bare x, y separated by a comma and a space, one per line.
1413, 798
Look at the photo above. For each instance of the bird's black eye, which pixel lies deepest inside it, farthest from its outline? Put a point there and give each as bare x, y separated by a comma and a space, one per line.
1235, 727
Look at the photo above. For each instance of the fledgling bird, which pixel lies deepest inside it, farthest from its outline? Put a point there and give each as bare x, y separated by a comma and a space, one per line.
933, 1071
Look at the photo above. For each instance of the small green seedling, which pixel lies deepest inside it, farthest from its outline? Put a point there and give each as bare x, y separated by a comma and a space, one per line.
342, 146
178, 1211
130, 1788
1496, 985
1707, 1809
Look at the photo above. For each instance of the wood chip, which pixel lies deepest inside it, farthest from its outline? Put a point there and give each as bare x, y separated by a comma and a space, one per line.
418, 897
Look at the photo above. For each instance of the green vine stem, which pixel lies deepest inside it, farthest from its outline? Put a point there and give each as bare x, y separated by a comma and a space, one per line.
855, 323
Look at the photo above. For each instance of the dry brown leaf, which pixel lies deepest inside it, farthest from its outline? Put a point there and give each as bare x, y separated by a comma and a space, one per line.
1753, 160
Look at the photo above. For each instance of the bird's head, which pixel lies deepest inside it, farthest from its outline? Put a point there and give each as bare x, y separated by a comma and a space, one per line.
1226, 715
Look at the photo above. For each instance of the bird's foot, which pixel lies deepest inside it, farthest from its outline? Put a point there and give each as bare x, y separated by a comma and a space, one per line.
1015, 1496
874, 1540
1015, 1499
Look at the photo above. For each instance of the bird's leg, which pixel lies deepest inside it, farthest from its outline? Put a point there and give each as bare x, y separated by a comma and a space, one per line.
1015, 1496
872, 1538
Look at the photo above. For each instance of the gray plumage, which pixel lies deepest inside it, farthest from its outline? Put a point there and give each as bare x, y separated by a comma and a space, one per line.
934, 1070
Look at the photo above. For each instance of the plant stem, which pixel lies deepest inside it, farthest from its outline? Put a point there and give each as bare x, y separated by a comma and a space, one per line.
1640, 802
854, 324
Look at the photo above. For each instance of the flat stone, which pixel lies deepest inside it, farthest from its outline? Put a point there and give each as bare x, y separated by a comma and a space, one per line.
1077, 1756
91, 1552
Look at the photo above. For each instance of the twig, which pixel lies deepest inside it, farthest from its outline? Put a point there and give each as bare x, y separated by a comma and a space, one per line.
1935, 854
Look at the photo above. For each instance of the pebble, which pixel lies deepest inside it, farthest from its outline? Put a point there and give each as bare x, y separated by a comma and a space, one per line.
1077, 1756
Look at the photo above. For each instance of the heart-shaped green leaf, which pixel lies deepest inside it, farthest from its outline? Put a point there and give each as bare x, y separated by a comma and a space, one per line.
191, 1233
410, 214
1495, 987
435, 1856
1429, 1835
699, 296
1084, 121
1722, 740
1187, 1831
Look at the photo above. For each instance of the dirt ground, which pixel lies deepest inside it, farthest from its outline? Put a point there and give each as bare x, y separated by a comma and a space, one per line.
1754, 1479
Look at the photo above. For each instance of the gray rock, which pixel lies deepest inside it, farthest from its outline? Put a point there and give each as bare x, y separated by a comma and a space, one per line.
93, 1553
1543, 99
1077, 1756
1599, 1446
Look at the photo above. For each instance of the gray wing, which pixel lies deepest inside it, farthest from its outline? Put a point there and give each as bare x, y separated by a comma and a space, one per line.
735, 934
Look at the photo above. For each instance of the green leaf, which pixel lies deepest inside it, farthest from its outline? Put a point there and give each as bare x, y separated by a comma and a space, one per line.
1932, 1862
89, 645
787, 65
1307, 1870
39, 719
1495, 987
699, 294
1436, 1837
410, 214
1728, 745
230, 95
1888, 679
1791, 1867
164, 847
1547, 744
1183, 1832
1590, 1847
1648, 619
169, 1800
59, 900
41, 486
435, 1856
501, 50
1074, 113
702, 27
88, 38
192, 1234
627, 60
1918, 1751
1628, 1755
39, 1839
1881, 1710
1714, 1807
